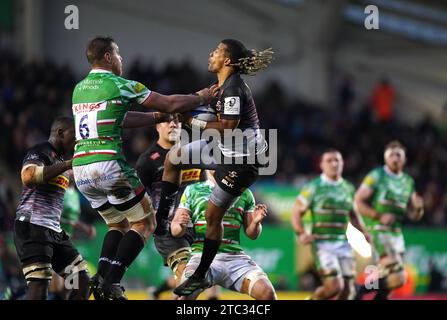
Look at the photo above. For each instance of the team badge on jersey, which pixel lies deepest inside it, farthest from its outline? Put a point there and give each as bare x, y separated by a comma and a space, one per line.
232, 105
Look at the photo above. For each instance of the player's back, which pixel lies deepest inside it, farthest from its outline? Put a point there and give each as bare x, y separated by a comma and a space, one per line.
99, 104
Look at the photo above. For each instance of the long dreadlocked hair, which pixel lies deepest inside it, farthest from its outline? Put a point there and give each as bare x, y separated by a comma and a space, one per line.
247, 61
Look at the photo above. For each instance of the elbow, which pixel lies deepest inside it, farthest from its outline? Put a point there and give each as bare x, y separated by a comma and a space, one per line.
252, 236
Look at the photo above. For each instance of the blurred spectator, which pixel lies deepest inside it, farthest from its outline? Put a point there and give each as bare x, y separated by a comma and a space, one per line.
382, 100
346, 95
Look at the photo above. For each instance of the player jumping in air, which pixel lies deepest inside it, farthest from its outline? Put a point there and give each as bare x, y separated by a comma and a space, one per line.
232, 268
102, 175
42, 246
237, 109
174, 250
383, 200
330, 201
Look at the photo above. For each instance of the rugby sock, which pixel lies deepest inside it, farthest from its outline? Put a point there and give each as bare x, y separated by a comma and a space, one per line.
210, 248
383, 292
167, 197
129, 248
109, 247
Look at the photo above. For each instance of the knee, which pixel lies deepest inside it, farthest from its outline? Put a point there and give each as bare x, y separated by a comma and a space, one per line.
145, 227
396, 279
268, 294
122, 226
334, 288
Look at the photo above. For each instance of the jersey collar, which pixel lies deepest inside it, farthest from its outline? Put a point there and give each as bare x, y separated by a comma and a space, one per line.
325, 179
99, 70
391, 173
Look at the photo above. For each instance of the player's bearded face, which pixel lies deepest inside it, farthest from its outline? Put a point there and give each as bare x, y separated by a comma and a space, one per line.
217, 58
395, 159
116, 61
332, 165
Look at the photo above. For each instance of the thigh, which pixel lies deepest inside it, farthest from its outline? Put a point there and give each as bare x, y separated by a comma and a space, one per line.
235, 178
240, 267
326, 260
89, 179
197, 154
33, 243
64, 254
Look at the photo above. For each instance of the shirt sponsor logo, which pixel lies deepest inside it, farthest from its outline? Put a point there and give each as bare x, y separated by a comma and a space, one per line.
139, 87
80, 182
155, 156
60, 181
228, 184
88, 107
232, 105
190, 175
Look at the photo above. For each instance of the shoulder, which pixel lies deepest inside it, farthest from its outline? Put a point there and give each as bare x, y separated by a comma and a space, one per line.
41, 151
349, 185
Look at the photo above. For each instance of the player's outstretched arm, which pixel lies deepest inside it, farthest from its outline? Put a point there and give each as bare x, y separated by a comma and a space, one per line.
417, 207
179, 222
180, 102
253, 221
33, 174
134, 119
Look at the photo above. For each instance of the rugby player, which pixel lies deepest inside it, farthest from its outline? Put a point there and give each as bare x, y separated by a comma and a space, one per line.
102, 175
384, 198
231, 268
236, 109
42, 246
329, 198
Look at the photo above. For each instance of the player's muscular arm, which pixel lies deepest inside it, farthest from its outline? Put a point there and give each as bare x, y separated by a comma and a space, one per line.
180, 102
134, 119
361, 202
297, 213
253, 221
357, 221
417, 207
297, 222
180, 221
33, 174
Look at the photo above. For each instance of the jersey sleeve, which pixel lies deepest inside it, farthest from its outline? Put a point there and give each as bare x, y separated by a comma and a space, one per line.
35, 157
306, 195
186, 201
134, 91
371, 180
250, 202
145, 170
231, 101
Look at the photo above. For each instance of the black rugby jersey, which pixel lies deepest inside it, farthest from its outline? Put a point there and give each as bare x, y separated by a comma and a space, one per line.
150, 166
235, 101
42, 204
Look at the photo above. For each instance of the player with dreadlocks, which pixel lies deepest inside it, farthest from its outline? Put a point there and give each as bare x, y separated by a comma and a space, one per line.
236, 110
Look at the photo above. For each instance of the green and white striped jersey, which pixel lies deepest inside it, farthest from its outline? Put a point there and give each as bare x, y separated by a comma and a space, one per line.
329, 203
391, 194
99, 104
195, 200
